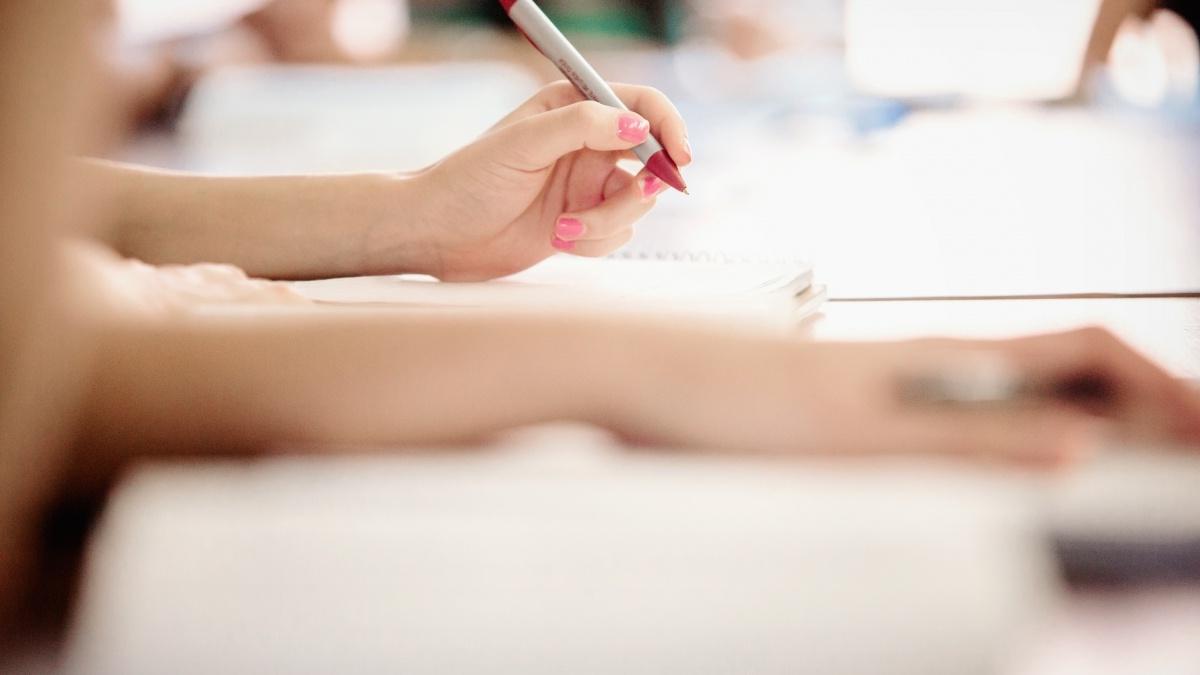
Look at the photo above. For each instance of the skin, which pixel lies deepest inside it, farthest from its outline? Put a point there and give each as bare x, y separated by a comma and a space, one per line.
488, 210
39, 368
101, 365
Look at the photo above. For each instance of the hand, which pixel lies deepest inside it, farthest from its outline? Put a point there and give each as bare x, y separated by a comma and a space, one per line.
1093, 371
543, 180
842, 399
106, 285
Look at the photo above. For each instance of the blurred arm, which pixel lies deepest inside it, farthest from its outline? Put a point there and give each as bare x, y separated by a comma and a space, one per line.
400, 378
43, 78
243, 384
1108, 20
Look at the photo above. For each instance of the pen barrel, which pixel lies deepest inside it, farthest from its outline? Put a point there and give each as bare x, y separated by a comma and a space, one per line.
554, 45
647, 150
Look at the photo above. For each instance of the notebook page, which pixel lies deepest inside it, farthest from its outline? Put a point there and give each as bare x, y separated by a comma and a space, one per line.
666, 278
734, 213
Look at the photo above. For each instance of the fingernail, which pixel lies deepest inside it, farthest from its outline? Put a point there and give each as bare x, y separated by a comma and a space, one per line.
651, 186
687, 147
562, 245
633, 128
568, 228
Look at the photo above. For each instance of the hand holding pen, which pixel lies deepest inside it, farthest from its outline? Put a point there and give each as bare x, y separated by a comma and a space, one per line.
544, 180
546, 37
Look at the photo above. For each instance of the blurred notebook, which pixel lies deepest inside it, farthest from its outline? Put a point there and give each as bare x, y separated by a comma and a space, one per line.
780, 293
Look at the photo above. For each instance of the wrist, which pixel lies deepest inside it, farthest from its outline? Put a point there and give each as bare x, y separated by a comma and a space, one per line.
112, 194
617, 384
398, 236
584, 368
641, 378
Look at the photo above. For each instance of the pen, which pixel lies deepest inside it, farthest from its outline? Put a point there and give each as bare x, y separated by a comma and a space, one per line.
544, 35
988, 381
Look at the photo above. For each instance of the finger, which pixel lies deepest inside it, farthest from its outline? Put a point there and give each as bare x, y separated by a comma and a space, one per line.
617, 181
595, 248
1048, 436
665, 121
537, 142
615, 214
1141, 391
558, 94
594, 177
1154, 399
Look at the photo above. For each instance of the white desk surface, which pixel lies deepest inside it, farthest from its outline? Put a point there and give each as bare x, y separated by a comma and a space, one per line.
559, 553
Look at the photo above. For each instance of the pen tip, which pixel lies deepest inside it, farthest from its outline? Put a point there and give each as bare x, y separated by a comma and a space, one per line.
687, 193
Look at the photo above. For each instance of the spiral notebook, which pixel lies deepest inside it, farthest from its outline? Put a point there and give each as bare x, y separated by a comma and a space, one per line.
703, 285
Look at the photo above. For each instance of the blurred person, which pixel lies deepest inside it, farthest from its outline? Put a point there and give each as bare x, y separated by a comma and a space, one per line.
657, 20
1152, 54
167, 46
102, 363
748, 29
1112, 13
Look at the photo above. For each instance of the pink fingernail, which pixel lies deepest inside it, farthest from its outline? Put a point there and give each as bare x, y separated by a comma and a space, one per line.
562, 245
568, 228
633, 128
651, 186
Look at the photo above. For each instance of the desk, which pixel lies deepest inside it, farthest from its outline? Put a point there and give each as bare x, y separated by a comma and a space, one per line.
556, 552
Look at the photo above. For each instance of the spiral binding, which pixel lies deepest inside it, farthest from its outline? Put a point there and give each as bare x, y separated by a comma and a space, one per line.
701, 257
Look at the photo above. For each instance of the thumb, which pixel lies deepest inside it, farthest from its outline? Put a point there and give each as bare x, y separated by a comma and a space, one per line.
538, 141
1048, 436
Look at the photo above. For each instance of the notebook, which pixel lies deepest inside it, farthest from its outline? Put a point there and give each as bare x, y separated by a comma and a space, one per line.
695, 284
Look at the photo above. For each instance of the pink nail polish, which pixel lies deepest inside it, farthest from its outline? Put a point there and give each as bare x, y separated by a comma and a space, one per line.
651, 186
568, 228
633, 128
562, 245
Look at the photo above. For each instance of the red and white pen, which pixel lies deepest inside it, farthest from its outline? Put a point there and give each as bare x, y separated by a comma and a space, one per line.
554, 45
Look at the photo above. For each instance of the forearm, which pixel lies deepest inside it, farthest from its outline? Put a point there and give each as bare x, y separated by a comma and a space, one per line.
285, 227
242, 385
42, 79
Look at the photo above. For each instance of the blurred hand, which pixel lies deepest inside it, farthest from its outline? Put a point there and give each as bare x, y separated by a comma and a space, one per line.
113, 286
543, 180
843, 399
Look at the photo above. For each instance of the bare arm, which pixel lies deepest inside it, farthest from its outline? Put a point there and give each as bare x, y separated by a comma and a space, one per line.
285, 227
370, 378
544, 180
42, 351
387, 379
